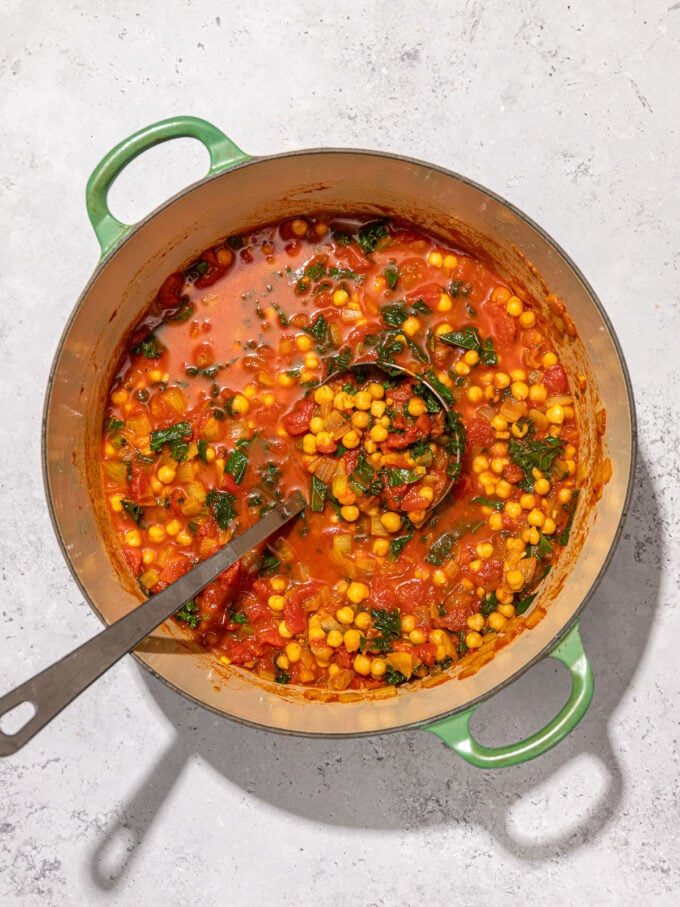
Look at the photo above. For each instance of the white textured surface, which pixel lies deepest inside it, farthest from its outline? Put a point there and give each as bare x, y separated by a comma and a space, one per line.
134, 796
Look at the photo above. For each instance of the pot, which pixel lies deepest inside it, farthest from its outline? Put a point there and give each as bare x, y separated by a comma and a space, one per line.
239, 193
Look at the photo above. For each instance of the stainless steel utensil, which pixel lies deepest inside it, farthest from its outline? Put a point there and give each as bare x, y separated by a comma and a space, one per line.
51, 690
364, 366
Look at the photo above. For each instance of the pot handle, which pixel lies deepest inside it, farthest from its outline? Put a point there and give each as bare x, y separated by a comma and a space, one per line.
455, 731
223, 153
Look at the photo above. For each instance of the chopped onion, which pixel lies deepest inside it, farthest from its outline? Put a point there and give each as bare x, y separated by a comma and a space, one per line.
366, 565
284, 550
513, 410
488, 412
336, 334
539, 419
116, 470
351, 315
377, 527
326, 469
300, 572
559, 400
342, 543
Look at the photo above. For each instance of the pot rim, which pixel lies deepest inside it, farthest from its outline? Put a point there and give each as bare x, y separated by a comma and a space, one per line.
545, 236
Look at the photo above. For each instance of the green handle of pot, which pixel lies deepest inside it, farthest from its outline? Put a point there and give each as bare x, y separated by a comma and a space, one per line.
455, 731
223, 153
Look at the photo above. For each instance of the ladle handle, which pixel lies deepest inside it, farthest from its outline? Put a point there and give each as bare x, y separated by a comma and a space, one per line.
223, 153
51, 690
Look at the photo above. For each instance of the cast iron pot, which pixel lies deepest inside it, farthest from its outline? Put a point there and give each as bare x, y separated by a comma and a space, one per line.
239, 193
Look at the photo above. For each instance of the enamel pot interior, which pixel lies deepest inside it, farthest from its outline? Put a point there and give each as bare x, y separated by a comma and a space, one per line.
268, 189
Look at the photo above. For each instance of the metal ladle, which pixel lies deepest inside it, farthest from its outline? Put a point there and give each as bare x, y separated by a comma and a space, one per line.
364, 367
55, 687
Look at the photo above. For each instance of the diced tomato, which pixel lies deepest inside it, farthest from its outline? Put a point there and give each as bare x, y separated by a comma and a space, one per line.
413, 500
168, 295
491, 572
350, 459
140, 479
254, 607
296, 422
480, 433
229, 484
512, 473
503, 326
294, 615
133, 558
430, 294
269, 636
427, 653
203, 354
175, 568
555, 380
352, 258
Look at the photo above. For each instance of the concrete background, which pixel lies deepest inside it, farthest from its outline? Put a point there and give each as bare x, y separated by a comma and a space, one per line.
134, 796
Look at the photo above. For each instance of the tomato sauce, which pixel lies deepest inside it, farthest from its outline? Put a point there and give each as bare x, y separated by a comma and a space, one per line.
234, 391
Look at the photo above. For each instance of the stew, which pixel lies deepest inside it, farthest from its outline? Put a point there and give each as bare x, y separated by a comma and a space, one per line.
234, 391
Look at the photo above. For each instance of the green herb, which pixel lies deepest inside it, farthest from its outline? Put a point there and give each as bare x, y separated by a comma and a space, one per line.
183, 313
487, 354
487, 502
523, 604
387, 348
421, 451
237, 465
363, 478
149, 347
397, 545
468, 339
283, 318
318, 495
203, 451
176, 437
222, 505
453, 443
239, 618
270, 474
315, 271
235, 242
563, 537
339, 362
370, 235
393, 677
346, 274
530, 454
424, 392
421, 307
394, 314
458, 288
133, 510
343, 239
189, 614
113, 425
396, 477
462, 645
391, 275
269, 563
321, 332
489, 603
417, 351
281, 676
388, 623
440, 387
441, 549
542, 549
